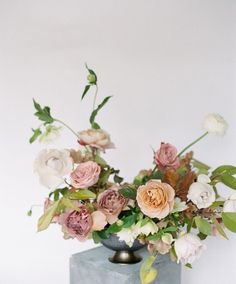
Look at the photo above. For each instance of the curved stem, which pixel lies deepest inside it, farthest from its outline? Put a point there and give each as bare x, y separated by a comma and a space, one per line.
67, 126
191, 144
95, 97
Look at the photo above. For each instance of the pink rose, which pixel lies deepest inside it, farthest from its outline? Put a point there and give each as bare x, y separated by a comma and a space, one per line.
111, 203
166, 157
85, 175
99, 221
156, 199
77, 224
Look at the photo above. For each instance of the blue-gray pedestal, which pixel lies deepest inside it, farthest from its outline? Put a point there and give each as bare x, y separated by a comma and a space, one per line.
93, 267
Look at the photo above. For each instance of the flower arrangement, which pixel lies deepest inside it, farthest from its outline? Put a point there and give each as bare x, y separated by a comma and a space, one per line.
171, 207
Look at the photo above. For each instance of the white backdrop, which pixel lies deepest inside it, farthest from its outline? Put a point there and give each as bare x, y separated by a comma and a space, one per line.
167, 63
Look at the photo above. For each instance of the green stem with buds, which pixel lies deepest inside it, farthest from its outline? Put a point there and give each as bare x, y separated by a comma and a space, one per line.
191, 144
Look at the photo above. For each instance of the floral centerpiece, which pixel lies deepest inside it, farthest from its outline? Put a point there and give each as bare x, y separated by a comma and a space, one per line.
171, 207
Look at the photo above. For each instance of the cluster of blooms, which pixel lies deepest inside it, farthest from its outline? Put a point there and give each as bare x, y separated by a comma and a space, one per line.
171, 207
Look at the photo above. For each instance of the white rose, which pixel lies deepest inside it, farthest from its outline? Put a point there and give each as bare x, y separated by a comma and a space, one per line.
52, 165
128, 235
230, 204
147, 229
51, 134
188, 248
214, 123
179, 205
201, 194
96, 138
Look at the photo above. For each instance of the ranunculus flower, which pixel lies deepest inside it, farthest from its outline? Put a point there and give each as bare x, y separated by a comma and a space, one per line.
77, 224
188, 248
166, 157
215, 123
99, 220
85, 175
128, 235
96, 138
111, 203
156, 199
230, 204
159, 246
201, 193
52, 165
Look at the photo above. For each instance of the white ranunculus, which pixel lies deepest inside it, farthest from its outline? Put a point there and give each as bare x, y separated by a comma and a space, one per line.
230, 204
52, 165
128, 235
147, 229
215, 123
167, 238
201, 194
188, 248
179, 205
51, 134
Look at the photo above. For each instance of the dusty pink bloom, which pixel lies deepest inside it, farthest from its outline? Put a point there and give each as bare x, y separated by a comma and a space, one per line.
77, 224
99, 221
166, 157
111, 203
85, 175
96, 138
156, 199
47, 203
158, 246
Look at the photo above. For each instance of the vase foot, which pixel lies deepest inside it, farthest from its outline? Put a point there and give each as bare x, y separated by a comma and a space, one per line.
125, 257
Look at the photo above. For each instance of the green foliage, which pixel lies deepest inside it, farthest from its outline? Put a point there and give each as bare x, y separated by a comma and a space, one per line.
225, 174
69, 204
128, 192
45, 220
92, 77
201, 167
95, 112
29, 213
203, 226
189, 265
228, 180
59, 191
147, 272
86, 89
43, 114
104, 176
81, 194
129, 220
229, 220
36, 133
118, 179
99, 160
114, 228
219, 228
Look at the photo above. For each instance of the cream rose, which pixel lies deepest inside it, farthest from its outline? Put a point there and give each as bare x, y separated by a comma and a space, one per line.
52, 165
156, 199
201, 193
188, 248
214, 123
96, 138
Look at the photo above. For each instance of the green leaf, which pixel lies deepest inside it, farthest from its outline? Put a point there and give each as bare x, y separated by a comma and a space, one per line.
224, 169
29, 213
203, 226
145, 221
43, 114
202, 236
95, 112
103, 234
128, 192
129, 220
82, 194
228, 180
202, 168
96, 237
37, 105
104, 176
156, 175
229, 220
170, 229
147, 272
219, 228
46, 218
36, 133
85, 91
91, 72
114, 228
189, 265
69, 204
216, 204
99, 160
118, 179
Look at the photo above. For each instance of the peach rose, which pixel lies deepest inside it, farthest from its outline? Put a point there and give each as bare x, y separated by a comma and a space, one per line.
156, 199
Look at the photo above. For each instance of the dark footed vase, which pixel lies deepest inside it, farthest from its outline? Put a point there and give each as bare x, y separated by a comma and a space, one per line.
123, 253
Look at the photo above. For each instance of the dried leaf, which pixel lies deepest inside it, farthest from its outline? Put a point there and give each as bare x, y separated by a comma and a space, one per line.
171, 177
184, 185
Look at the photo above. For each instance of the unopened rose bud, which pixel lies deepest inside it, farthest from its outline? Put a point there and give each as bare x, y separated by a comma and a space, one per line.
92, 79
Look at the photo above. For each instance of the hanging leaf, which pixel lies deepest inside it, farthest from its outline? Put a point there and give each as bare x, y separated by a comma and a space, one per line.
82, 194
203, 226
219, 228
36, 133
229, 220
224, 169
87, 87
46, 218
228, 180
43, 114
147, 272
95, 112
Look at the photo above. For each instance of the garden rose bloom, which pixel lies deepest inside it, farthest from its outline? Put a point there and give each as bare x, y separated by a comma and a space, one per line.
96, 138
188, 248
166, 157
111, 203
201, 193
85, 175
77, 224
230, 204
52, 165
156, 199
99, 221
215, 124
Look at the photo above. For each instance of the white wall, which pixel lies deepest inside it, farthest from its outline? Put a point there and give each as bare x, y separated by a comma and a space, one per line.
167, 63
